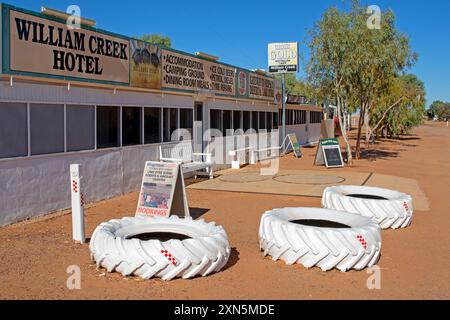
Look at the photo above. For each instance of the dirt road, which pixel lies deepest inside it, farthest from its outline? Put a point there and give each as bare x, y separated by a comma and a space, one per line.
415, 261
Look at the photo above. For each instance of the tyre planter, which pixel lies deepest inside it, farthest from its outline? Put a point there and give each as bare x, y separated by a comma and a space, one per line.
320, 238
390, 209
206, 249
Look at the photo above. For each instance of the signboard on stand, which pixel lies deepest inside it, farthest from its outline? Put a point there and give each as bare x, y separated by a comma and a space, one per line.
162, 191
329, 154
295, 145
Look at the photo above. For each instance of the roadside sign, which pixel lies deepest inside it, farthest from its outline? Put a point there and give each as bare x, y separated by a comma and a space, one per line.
77, 204
295, 145
162, 191
329, 153
283, 57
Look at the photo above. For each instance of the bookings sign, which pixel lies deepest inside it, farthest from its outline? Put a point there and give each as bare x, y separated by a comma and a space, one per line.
184, 72
43, 46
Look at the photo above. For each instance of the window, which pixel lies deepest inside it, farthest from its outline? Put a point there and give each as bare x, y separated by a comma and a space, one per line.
173, 120
255, 120
13, 130
198, 111
226, 121
80, 127
107, 127
46, 128
166, 125
303, 117
246, 120
262, 120
186, 120
215, 119
275, 120
131, 126
152, 125
269, 121
170, 124
315, 117
237, 120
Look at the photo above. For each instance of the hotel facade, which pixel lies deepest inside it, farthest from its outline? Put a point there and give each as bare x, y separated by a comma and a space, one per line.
107, 101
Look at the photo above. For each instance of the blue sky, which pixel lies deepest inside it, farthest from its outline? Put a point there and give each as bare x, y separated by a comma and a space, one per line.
238, 31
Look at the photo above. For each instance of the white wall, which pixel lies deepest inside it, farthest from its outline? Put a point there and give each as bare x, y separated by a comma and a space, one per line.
314, 133
306, 133
37, 185
300, 132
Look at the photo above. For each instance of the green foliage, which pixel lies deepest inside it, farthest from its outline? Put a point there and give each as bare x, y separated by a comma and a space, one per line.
401, 107
440, 110
297, 86
156, 39
360, 68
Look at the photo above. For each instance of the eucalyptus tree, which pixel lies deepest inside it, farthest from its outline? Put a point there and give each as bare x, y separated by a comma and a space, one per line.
158, 39
329, 68
400, 108
378, 56
440, 110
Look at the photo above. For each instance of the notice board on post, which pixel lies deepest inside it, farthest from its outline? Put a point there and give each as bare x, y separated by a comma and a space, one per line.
162, 191
295, 145
329, 153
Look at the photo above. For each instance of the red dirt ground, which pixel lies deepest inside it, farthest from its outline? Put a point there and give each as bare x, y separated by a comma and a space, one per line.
415, 261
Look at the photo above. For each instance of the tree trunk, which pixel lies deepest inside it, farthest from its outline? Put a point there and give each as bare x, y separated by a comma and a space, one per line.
343, 124
367, 126
360, 125
386, 112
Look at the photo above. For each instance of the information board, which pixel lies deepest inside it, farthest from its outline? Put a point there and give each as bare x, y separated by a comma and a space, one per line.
184, 72
295, 145
329, 154
283, 57
162, 191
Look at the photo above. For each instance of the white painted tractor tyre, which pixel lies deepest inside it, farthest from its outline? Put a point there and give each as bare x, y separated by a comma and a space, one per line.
355, 246
392, 209
206, 251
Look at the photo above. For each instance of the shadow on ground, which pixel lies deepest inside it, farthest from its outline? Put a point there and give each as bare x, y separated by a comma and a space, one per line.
375, 154
234, 258
197, 212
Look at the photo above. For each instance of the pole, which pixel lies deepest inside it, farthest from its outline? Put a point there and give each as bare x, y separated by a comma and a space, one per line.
283, 106
77, 204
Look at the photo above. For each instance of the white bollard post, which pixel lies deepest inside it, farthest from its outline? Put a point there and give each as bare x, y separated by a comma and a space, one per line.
77, 204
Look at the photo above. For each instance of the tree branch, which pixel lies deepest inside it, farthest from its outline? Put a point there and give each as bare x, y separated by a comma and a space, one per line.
385, 114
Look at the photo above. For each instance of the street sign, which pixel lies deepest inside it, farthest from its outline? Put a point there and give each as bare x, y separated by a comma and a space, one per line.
162, 191
283, 57
329, 154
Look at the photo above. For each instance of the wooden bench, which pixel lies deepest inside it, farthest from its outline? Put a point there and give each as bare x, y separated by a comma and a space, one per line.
235, 154
182, 152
